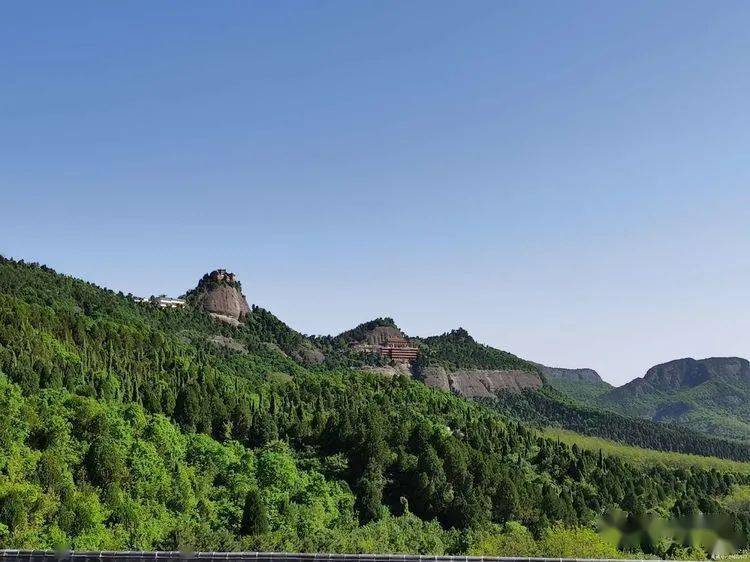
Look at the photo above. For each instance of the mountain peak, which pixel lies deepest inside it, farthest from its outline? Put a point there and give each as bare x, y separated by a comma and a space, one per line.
688, 372
219, 293
459, 334
366, 330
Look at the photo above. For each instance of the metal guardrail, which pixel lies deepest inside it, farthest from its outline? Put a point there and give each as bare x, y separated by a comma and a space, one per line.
135, 556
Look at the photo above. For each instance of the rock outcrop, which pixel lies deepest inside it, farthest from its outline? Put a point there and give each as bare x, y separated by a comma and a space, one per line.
220, 294
380, 335
228, 343
476, 383
308, 354
390, 371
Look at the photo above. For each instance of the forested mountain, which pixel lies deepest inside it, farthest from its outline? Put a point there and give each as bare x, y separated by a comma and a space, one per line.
126, 425
709, 395
716, 403
452, 361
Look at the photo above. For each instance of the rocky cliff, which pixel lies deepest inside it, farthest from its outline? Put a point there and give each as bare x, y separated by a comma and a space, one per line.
220, 294
484, 383
455, 361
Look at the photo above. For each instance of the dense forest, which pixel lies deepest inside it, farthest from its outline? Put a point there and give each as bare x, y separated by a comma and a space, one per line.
128, 426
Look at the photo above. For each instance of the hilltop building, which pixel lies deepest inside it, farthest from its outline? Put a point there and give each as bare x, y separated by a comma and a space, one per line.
219, 293
167, 302
222, 275
398, 349
162, 302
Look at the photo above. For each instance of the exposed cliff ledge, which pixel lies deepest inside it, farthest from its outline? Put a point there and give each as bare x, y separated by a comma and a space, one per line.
585, 374
476, 383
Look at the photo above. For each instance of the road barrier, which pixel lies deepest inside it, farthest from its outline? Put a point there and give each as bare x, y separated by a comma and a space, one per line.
108, 556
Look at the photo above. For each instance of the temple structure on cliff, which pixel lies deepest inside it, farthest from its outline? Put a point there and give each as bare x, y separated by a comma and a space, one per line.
222, 275
389, 343
398, 349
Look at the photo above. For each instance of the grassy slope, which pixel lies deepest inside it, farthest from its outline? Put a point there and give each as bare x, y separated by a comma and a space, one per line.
640, 455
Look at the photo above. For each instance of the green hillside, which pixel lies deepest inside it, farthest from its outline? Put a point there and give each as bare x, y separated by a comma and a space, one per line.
124, 425
584, 391
458, 350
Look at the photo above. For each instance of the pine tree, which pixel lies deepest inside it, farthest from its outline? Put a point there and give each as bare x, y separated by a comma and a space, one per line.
254, 517
505, 501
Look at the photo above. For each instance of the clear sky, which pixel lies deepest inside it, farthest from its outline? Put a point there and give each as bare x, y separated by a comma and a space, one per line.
569, 181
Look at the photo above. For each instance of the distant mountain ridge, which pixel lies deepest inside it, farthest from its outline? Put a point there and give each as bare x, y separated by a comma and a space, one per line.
688, 373
711, 395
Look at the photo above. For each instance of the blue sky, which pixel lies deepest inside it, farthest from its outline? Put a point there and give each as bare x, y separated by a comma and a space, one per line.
567, 180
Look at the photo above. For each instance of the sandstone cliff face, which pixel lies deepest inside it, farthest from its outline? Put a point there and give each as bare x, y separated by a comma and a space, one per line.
225, 300
475, 383
221, 298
